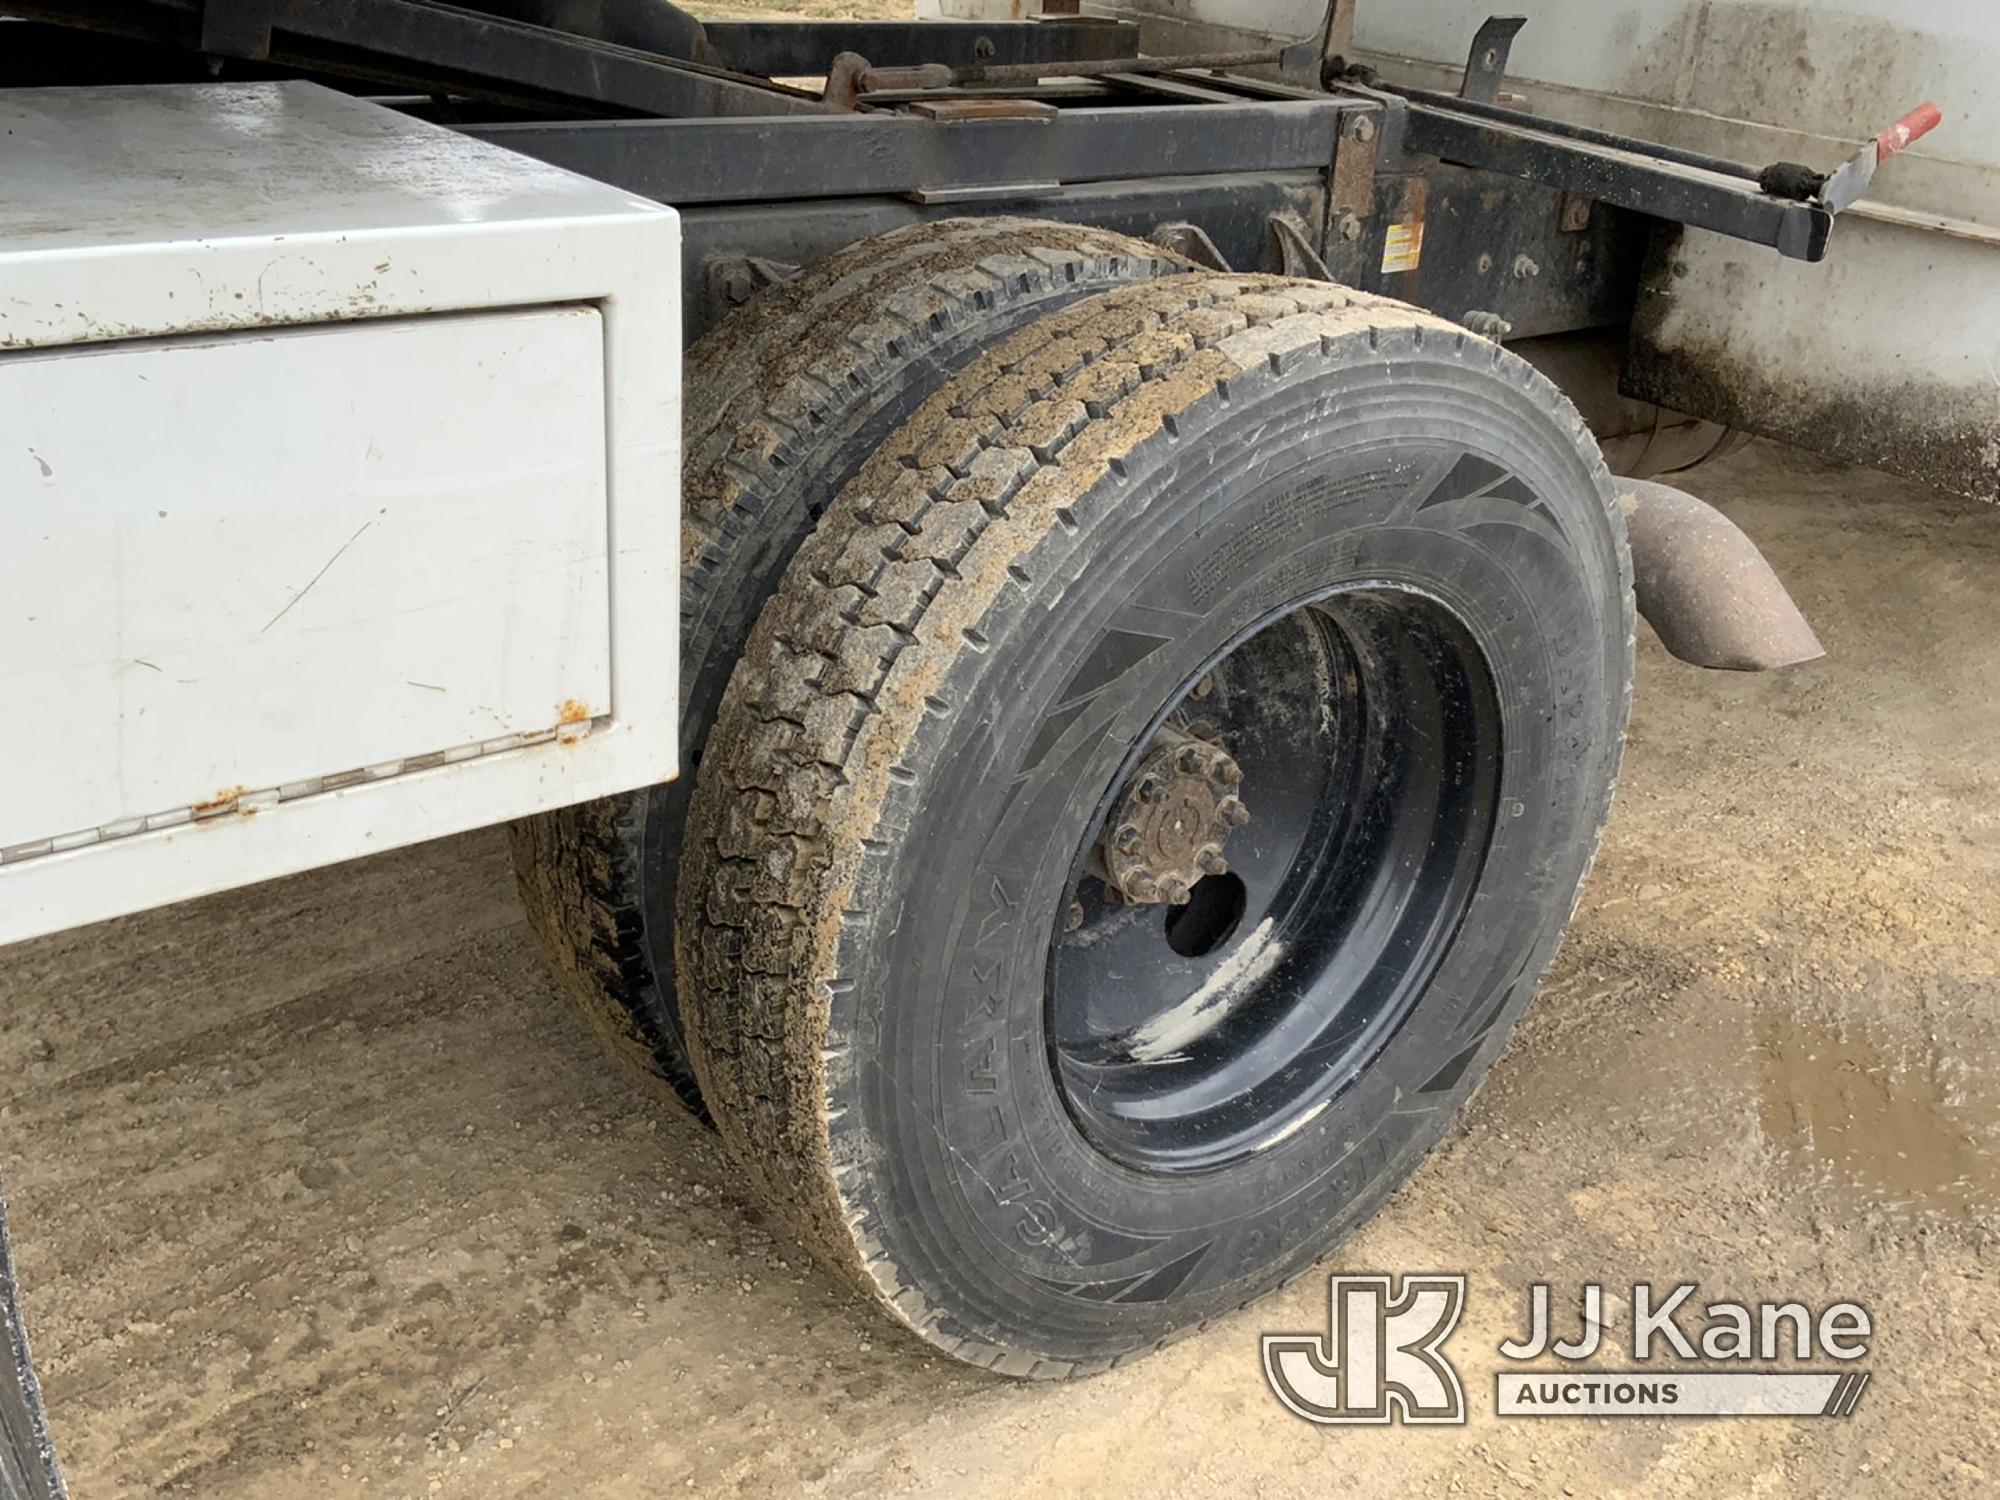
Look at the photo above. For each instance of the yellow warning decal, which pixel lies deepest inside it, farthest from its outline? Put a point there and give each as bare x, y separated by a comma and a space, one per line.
1403, 248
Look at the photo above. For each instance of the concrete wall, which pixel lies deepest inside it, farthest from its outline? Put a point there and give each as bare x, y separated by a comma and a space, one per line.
1743, 76
1889, 351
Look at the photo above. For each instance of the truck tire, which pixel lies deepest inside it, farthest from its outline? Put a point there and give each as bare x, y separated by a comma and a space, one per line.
1300, 617
784, 400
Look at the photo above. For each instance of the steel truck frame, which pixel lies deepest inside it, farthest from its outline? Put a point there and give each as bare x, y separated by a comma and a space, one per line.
1290, 160
1284, 160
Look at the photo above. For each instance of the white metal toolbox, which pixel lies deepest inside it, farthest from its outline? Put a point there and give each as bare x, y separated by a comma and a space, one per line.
338, 489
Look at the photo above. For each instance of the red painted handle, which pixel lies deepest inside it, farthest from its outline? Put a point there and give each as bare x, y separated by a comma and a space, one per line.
1920, 121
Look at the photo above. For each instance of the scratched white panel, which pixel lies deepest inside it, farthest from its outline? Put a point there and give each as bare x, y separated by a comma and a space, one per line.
257, 558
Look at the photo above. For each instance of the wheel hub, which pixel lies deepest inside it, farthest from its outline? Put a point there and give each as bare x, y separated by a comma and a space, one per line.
1201, 1008
1170, 824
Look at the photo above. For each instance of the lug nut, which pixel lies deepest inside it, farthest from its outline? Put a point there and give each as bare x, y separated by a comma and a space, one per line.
1127, 840
1142, 887
1229, 771
1212, 862
1176, 891
1187, 760
1075, 918
1233, 809
1149, 789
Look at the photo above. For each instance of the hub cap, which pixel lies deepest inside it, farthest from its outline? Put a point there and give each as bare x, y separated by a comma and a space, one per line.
1168, 829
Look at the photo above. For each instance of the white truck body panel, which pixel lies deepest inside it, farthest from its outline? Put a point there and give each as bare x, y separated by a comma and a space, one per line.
340, 497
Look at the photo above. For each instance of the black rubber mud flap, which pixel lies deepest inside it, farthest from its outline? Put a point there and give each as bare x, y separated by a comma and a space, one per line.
27, 1456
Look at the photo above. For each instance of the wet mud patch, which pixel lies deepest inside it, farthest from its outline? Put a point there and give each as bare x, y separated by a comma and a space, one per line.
1900, 1126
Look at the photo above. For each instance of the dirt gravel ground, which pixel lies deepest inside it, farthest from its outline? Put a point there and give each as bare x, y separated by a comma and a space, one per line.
321, 1191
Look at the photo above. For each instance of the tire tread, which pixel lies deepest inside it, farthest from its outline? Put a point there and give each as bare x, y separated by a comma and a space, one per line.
844, 662
769, 386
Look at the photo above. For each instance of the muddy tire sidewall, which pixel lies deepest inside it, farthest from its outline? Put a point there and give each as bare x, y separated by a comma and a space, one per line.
978, 1185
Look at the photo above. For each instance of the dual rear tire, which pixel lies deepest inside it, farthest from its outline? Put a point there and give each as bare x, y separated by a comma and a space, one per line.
785, 400
1145, 803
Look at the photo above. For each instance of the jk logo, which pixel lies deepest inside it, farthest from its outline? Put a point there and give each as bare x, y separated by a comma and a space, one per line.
1380, 1360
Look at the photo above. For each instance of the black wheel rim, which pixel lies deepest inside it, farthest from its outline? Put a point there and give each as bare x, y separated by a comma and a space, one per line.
1367, 731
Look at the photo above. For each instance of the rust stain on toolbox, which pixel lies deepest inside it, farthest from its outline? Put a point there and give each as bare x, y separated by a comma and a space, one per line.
223, 801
